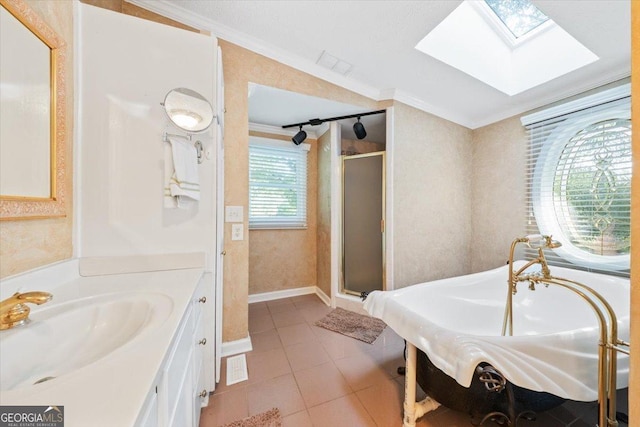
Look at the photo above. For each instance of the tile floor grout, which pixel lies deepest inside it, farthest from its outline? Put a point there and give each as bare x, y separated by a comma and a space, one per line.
367, 391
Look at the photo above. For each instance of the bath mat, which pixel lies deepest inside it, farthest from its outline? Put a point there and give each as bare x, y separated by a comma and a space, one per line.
271, 418
354, 325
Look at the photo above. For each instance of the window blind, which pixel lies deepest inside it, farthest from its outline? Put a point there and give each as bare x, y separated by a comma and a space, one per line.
578, 175
277, 184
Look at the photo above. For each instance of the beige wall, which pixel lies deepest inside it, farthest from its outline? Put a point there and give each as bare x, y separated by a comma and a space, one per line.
286, 259
498, 191
634, 381
28, 244
130, 9
356, 146
432, 190
432, 161
323, 235
241, 67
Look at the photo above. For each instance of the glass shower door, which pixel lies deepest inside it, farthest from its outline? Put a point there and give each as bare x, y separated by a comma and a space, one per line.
363, 223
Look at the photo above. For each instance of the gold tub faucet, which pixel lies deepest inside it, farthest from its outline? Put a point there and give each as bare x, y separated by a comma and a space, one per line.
14, 310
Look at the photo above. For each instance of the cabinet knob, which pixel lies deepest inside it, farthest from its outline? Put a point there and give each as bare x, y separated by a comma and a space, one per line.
223, 253
203, 341
203, 300
203, 393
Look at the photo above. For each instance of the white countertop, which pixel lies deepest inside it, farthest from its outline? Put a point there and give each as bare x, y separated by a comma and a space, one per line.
111, 391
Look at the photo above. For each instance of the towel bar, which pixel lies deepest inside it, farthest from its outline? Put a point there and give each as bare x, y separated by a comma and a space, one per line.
197, 144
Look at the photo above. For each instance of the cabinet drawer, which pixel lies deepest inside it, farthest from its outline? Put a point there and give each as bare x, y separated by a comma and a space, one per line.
150, 413
201, 343
199, 400
183, 415
177, 366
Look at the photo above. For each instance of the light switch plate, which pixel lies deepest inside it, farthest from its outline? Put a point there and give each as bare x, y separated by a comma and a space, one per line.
237, 231
233, 214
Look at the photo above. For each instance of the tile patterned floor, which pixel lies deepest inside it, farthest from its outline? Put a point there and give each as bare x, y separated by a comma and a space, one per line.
320, 378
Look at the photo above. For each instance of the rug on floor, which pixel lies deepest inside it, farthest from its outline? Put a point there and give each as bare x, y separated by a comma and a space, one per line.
271, 418
354, 325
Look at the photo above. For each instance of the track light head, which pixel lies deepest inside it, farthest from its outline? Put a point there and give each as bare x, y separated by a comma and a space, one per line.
358, 129
299, 137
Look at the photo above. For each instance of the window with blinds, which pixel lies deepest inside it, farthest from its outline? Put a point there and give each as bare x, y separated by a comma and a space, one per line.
579, 181
277, 184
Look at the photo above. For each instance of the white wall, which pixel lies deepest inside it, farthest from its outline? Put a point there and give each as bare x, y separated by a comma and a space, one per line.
126, 67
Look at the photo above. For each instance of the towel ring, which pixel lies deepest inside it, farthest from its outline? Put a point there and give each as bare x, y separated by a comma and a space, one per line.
197, 144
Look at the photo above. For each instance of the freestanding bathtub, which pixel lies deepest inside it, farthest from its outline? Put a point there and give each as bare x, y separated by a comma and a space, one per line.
457, 323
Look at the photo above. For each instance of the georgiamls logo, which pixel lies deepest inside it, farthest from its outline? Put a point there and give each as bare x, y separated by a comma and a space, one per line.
32, 416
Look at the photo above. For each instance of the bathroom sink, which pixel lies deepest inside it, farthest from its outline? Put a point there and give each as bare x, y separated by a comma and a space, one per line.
63, 338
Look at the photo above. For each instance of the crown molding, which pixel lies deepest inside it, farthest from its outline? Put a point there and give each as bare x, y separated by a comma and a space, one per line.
602, 97
187, 17
419, 104
174, 12
271, 130
529, 108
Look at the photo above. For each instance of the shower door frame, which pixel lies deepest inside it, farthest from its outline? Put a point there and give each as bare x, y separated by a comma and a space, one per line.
383, 225
337, 298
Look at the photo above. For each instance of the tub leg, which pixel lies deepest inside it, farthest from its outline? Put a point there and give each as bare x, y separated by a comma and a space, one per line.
410, 387
412, 409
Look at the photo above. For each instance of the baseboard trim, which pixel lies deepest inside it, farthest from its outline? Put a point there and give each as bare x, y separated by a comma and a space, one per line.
324, 297
232, 348
285, 293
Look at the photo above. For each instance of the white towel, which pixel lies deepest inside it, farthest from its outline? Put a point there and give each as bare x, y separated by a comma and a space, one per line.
182, 184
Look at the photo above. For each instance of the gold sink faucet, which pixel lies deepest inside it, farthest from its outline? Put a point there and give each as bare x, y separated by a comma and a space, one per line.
14, 310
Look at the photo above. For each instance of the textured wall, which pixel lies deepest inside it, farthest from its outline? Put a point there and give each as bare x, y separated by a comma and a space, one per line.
323, 244
131, 9
432, 197
356, 146
286, 259
498, 192
28, 244
241, 67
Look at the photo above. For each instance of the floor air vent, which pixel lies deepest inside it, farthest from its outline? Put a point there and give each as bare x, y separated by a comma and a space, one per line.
237, 369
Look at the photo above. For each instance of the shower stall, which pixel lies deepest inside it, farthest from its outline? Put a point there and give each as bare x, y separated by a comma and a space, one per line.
363, 223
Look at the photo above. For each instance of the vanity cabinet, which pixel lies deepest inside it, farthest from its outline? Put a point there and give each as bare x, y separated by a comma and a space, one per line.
149, 416
180, 389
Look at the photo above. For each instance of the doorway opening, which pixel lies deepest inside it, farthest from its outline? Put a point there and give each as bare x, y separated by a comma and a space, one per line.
289, 261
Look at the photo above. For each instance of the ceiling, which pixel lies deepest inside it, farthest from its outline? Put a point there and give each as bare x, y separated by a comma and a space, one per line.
276, 107
378, 37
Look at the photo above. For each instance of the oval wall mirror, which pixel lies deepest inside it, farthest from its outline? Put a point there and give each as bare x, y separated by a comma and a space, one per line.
188, 110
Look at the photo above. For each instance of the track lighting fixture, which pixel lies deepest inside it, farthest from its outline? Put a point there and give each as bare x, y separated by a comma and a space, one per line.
299, 137
358, 129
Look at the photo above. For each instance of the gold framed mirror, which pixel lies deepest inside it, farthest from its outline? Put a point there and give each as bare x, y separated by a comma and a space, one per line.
32, 115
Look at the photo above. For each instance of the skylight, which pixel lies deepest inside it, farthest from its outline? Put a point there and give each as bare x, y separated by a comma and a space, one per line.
519, 16
534, 51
